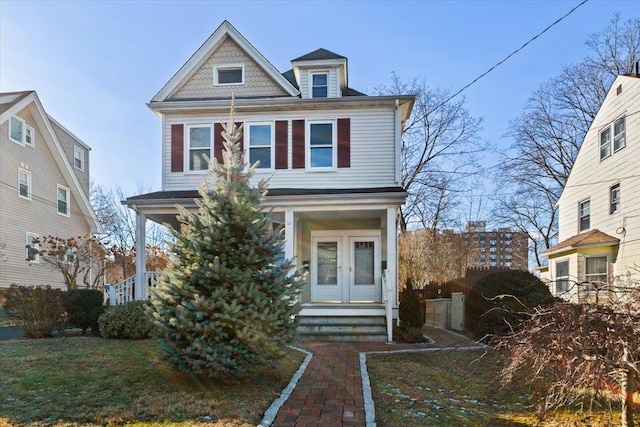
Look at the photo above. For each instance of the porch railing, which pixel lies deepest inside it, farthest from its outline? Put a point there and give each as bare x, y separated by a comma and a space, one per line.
124, 292
387, 299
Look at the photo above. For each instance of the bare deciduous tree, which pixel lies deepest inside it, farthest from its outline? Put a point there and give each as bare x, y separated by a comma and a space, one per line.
548, 135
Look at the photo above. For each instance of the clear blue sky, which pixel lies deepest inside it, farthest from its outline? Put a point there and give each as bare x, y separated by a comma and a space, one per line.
96, 64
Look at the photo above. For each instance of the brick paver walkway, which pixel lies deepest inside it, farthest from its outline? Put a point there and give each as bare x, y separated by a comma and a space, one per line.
329, 393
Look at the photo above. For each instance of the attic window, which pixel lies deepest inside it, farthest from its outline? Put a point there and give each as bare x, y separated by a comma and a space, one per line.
228, 75
319, 85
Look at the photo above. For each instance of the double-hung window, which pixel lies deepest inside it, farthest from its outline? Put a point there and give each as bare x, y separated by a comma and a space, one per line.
562, 276
32, 248
614, 134
321, 145
261, 145
605, 143
20, 132
619, 134
63, 200
319, 85
78, 158
199, 145
24, 183
596, 271
614, 198
584, 215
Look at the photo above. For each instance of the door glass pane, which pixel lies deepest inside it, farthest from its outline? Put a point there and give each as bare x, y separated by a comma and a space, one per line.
327, 263
364, 262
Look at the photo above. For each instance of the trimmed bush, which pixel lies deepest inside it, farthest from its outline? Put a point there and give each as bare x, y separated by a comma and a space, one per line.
124, 321
37, 309
82, 307
497, 301
412, 314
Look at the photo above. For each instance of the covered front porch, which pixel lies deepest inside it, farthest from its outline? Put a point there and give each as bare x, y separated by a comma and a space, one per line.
344, 242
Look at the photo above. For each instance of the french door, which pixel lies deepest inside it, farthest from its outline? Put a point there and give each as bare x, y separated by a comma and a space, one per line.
345, 266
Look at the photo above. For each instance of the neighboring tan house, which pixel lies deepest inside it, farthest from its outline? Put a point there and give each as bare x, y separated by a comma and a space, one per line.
334, 154
44, 188
599, 209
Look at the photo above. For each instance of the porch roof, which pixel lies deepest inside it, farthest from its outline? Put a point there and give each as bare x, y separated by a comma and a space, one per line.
592, 238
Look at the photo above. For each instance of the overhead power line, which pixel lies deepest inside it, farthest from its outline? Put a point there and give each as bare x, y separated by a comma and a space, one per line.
472, 82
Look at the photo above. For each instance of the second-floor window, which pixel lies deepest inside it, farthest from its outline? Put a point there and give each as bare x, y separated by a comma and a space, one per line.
63, 200
24, 183
321, 145
584, 215
319, 85
260, 145
20, 132
199, 145
614, 199
78, 158
618, 130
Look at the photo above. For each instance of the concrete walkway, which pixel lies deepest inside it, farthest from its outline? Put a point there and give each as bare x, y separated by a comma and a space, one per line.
330, 391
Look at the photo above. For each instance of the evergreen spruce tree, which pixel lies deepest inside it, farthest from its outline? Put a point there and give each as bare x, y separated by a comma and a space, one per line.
225, 304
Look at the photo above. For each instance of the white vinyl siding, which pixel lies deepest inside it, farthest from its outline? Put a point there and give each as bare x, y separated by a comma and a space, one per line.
70, 143
372, 151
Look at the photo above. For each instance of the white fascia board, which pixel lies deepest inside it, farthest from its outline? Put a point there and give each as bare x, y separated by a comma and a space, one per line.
61, 159
15, 109
331, 201
75, 138
225, 29
320, 63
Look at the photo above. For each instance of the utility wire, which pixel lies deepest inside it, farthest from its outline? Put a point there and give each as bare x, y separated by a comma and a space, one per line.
557, 21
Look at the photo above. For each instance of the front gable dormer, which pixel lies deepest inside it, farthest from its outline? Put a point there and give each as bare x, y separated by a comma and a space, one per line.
321, 74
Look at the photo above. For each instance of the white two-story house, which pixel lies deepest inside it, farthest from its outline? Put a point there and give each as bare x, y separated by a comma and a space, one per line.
333, 154
599, 209
44, 188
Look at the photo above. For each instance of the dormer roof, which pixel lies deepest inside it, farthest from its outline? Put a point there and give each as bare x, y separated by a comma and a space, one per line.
319, 54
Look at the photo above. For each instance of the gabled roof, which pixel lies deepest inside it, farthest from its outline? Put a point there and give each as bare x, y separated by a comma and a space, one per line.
208, 47
587, 239
319, 54
24, 100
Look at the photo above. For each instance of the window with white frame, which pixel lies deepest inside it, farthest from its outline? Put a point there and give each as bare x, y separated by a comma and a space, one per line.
78, 158
614, 198
584, 215
20, 132
562, 276
596, 271
613, 137
24, 183
260, 144
605, 143
32, 248
199, 145
321, 145
319, 85
619, 134
63, 196
228, 75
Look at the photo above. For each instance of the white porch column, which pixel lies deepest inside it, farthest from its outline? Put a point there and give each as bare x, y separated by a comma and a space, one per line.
289, 229
392, 261
141, 256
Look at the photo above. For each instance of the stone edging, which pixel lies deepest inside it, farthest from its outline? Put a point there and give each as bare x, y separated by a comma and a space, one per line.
271, 413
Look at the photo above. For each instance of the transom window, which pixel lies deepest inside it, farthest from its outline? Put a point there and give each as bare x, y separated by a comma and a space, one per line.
321, 145
20, 132
78, 158
584, 215
63, 200
319, 87
260, 145
562, 276
614, 198
618, 130
24, 183
199, 145
32, 248
228, 75
596, 271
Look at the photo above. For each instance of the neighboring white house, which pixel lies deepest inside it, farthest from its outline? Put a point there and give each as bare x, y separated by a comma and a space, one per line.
599, 209
44, 188
334, 154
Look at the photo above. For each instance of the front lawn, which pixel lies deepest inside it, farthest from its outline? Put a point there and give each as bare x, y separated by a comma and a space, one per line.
71, 381
457, 388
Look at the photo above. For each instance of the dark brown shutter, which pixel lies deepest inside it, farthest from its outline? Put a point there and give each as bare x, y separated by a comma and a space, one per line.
177, 148
282, 162
297, 144
218, 142
344, 143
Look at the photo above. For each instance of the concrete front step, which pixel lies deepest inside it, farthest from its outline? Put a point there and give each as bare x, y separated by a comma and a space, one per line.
341, 328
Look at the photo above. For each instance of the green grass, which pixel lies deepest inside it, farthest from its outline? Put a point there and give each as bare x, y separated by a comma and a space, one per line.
72, 381
457, 388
